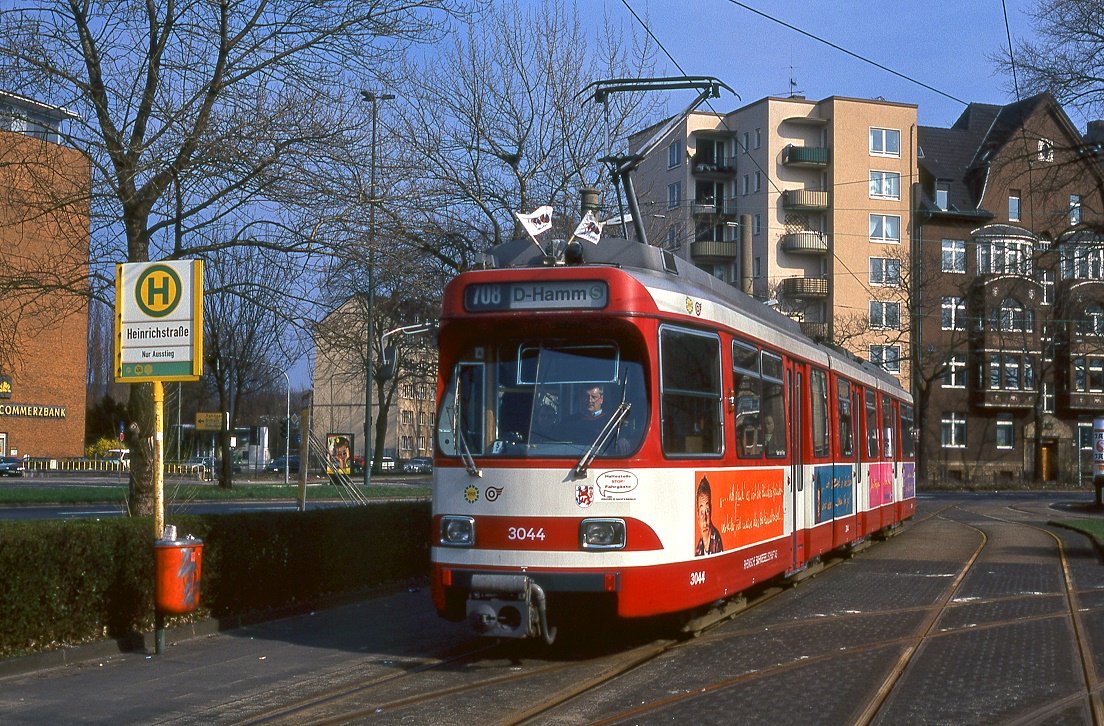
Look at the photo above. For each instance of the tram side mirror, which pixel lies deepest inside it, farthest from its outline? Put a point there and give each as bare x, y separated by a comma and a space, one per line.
389, 363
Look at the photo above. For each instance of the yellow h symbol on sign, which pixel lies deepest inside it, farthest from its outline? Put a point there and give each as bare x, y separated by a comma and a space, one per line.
158, 291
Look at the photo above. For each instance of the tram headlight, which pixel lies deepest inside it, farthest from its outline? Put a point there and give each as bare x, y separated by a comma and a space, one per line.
602, 534
457, 531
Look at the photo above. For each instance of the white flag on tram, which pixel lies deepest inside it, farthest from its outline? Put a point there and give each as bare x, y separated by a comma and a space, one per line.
539, 221
590, 228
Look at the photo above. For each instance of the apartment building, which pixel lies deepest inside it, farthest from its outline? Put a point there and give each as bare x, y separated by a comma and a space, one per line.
44, 242
824, 189
1010, 286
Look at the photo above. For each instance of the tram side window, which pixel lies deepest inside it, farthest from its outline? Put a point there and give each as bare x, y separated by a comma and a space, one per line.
889, 421
846, 420
746, 383
908, 441
819, 412
691, 392
871, 426
774, 407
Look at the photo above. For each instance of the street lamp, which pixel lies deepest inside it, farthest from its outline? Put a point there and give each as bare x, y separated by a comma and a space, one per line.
369, 448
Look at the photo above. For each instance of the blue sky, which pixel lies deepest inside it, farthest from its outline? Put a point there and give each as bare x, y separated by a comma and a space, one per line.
942, 43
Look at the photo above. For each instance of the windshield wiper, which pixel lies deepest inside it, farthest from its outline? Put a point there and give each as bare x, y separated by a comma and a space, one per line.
580, 470
465, 452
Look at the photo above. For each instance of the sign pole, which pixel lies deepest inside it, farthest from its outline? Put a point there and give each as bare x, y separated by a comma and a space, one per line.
158, 459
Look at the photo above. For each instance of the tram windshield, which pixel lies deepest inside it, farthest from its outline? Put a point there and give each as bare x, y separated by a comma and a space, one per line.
544, 398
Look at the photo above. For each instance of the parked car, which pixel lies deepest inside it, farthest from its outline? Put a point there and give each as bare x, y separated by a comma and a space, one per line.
11, 466
278, 464
419, 465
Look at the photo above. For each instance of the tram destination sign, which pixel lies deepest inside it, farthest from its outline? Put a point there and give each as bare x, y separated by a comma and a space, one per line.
536, 295
159, 321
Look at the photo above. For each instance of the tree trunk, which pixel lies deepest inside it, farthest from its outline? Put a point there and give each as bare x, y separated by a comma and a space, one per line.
139, 438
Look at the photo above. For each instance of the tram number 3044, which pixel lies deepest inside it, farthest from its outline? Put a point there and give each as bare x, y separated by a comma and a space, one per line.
697, 578
517, 534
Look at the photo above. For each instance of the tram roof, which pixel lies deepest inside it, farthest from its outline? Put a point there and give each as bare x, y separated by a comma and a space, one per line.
660, 268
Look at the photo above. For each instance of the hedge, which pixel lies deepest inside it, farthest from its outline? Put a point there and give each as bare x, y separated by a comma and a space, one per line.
69, 582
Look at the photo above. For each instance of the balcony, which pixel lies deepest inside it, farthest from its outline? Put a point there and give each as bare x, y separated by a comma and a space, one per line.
806, 199
805, 287
713, 250
817, 331
805, 156
726, 207
805, 243
713, 164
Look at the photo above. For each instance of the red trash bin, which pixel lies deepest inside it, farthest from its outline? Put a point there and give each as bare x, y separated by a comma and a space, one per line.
177, 567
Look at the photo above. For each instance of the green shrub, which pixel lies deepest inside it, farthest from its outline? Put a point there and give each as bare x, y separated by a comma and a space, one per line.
99, 449
74, 581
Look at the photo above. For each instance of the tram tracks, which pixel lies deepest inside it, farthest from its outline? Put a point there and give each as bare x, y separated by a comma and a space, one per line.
512, 683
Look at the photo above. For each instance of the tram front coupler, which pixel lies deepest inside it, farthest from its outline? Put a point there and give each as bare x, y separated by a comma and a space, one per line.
508, 606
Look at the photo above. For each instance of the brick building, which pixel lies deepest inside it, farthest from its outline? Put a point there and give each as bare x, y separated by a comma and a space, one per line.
44, 246
1010, 283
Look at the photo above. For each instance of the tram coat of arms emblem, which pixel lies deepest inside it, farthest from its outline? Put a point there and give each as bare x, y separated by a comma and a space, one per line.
584, 495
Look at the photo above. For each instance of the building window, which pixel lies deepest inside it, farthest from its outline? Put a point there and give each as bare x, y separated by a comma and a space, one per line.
1005, 431
1088, 374
1010, 372
746, 184
885, 271
1004, 256
674, 195
758, 138
885, 185
1093, 321
886, 356
952, 431
757, 224
408, 418
747, 141
1083, 261
1048, 397
1012, 317
1085, 435
885, 228
1046, 281
942, 195
885, 315
954, 376
1075, 209
674, 154
758, 181
1014, 206
1046, 150
953, 315
954, 255
885, 142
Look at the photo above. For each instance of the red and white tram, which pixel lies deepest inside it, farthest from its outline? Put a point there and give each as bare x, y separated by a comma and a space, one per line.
630, 435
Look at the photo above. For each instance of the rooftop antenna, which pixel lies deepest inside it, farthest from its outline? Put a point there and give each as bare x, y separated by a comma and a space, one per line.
793, 84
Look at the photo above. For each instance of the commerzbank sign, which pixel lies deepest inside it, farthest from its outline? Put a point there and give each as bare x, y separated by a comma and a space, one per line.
159, 321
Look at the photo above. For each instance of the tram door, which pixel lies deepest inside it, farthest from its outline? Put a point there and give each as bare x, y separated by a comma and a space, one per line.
797, 478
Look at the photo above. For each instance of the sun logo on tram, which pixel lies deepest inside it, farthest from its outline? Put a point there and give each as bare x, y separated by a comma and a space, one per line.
689, 306
471, 494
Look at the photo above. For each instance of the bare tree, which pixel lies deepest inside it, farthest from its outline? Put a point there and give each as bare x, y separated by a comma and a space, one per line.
1060, 56
199, 117
495, 124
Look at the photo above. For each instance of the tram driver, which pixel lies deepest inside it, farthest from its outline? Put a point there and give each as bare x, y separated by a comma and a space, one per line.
585, 425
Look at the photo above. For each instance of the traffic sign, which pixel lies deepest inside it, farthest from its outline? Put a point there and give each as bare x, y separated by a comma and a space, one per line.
211, 420
159, 321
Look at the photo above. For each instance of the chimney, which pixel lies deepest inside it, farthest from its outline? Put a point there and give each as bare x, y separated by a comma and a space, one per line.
1095, 132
